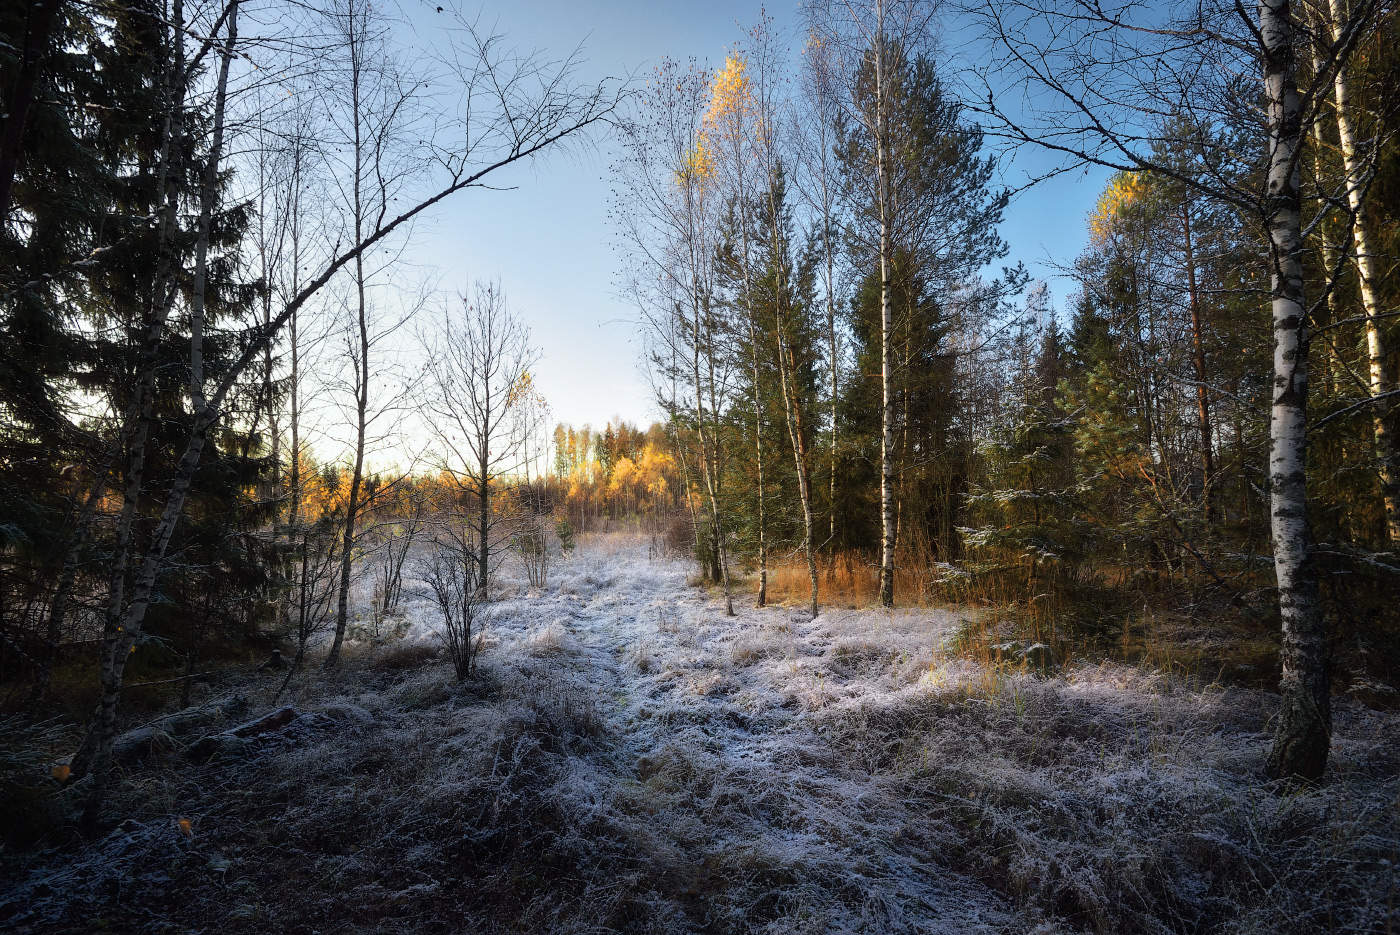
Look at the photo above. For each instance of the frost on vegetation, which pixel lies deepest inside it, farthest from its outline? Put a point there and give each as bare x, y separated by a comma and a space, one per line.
630, 759
643, 656
549, 640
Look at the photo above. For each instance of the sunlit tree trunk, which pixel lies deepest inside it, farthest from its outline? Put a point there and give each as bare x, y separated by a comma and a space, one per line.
1328, 250
1369, 276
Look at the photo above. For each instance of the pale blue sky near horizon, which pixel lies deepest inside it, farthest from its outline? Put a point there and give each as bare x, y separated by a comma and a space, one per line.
548, 239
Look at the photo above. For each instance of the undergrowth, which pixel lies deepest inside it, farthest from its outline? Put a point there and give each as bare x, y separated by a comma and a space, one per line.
630, 759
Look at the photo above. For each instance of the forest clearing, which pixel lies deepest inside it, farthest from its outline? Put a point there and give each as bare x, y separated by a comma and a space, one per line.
873, 467
632, 759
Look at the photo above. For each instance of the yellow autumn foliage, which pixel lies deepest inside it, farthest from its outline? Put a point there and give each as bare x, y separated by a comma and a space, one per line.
1124, 190
731, 98
697, 166
731, 104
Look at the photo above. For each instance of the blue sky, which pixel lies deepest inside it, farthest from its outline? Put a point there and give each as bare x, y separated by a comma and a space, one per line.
549, 242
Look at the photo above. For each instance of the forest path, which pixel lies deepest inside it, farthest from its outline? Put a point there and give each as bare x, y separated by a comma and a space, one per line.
724, 727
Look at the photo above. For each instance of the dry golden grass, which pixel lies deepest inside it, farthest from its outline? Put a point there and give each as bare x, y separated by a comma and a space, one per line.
846, 581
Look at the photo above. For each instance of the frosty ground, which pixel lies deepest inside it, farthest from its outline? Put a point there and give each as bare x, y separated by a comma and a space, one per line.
631, 759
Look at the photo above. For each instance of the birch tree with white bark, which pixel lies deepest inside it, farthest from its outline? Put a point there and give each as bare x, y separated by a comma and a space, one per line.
666, 211
870, 33
1093, 106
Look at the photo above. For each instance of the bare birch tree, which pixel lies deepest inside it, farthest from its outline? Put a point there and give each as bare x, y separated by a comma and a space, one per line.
373, 110
666, 214
818, 182
478, 380
855, 34
773, 121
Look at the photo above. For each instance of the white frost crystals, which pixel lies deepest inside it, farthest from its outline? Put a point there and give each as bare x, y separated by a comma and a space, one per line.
629, 758
855, 772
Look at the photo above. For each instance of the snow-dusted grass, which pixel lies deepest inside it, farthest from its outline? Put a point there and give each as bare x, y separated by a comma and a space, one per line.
631, 759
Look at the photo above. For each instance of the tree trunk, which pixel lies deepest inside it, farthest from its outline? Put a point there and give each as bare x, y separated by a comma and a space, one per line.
294, 389
1369, 275
886, 323
831, 340
787, 367
709, 464
1304, 726
483, 501
1198, 361
1328, 250
347, 545
352, 501
762, 598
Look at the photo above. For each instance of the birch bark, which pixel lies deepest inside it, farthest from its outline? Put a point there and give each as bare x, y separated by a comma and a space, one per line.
887, 402
1381, 380
1302, 736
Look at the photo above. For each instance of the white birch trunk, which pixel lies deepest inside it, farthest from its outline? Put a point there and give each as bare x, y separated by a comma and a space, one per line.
709, 463
1380, 380
1304, 724
887, 520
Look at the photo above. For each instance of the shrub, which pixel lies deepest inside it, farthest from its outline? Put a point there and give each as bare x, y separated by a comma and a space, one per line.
450, 572
565, 531
400, 656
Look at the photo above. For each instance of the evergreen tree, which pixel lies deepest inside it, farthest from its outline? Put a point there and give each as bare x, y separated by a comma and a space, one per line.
607, 443
1028, 507
944, 231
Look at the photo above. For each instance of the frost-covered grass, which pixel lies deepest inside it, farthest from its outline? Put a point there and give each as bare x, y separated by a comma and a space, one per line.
633, 760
